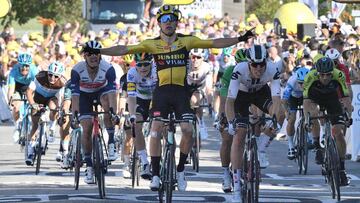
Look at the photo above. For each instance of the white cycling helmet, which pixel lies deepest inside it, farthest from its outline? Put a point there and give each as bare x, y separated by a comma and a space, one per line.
198, 52
332, 53
56, 68
256, 54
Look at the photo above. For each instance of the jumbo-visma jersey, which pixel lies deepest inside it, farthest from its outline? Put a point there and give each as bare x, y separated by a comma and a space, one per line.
172, 60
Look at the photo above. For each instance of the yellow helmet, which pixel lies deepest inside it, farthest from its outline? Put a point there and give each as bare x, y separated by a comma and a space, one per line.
215, 51
167, 9
129, 58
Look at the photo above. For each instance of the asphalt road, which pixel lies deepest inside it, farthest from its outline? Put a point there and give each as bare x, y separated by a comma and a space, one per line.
280, 181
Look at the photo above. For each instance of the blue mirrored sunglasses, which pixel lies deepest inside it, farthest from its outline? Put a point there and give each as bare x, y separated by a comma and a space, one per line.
168, 18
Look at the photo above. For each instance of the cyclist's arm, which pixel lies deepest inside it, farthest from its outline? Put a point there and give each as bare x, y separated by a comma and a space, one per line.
131, 88
30, 93
232, 94
11, 86
75, 91
111, 87
118, 50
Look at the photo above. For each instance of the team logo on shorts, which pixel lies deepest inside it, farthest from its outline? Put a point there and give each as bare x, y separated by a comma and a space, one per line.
157, 113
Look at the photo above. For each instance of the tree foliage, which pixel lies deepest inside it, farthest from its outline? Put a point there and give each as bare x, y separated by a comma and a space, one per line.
61, 11
265, 9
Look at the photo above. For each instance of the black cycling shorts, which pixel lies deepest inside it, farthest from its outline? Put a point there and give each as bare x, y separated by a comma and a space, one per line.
142, 107
262, 99
330, 101
294, 103
171, 97
39, 99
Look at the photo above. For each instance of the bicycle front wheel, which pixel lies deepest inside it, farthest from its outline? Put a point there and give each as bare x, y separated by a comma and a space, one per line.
77, 160
99, 170
334, 169
133, 166
169, 180
38, 150
305, 151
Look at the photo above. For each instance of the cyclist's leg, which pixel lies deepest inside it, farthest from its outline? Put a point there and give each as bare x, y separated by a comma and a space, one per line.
86, 139
52, 104
65, 132
108, 100
143, 113
290, 130
159, 108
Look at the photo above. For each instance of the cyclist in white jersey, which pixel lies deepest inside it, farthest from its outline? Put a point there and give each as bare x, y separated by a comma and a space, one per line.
292, 99
248, 85
93, 79
44, 90
199, 79
141, 82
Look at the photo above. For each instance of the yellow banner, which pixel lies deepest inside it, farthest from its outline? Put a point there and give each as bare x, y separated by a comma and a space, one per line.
178, 2
5, 6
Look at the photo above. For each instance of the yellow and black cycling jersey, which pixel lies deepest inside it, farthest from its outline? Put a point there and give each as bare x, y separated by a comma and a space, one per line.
172, 61
337, 84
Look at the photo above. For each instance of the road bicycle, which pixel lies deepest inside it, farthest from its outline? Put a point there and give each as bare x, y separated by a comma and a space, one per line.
301, 144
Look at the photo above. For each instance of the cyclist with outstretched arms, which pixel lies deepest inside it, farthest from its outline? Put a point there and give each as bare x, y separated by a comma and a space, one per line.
325, 86
19, 79
141, 82
248, 85
291, 100
171, 56
93, 79
44, 90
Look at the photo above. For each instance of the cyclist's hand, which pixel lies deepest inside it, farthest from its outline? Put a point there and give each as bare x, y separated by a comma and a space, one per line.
308, 127
132, 119
231, 128
249, 34
34, 108
74, 122
115, 119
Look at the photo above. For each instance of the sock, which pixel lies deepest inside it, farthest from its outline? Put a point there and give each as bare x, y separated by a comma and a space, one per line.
290, 142
264, 139
65, 145
155, 165
127, 160
182, 161
342, 165
143, 157
226, 170
237, 176
52, 125
88, 160
110, 132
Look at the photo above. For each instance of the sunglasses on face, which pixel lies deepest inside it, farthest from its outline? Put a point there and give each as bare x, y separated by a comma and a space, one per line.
300, 82
258, 65
325, 74
24, 67
90, 54
52, 75
140, 64
168, 18
196, 57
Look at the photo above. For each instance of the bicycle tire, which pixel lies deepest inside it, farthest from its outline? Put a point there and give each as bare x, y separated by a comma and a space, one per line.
305, 151
244, 177
99, 172
334, 167
133, 166
77, 160
162, 176
170, 166
39, 150
298, 149
256, 171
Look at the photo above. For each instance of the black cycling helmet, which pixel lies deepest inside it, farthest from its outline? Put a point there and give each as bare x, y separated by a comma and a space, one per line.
324, 65
140, 57
90, 46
